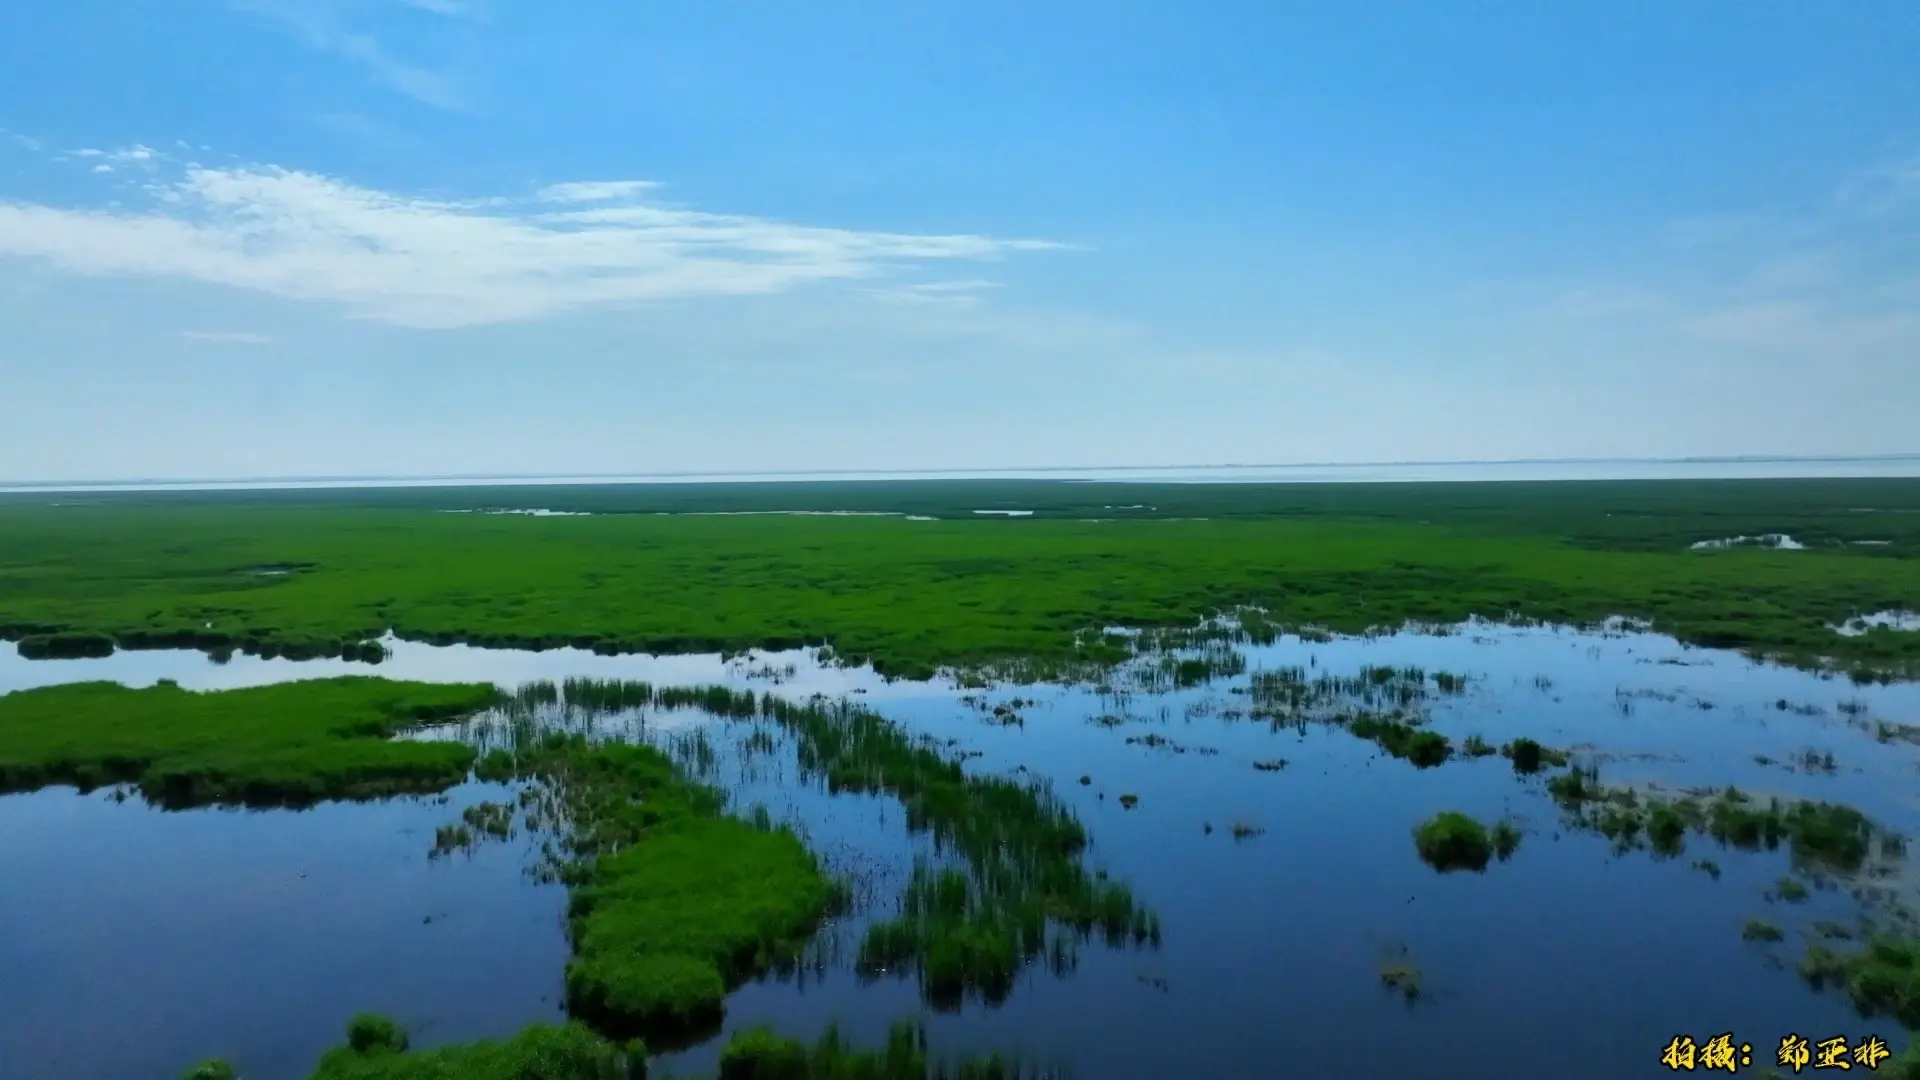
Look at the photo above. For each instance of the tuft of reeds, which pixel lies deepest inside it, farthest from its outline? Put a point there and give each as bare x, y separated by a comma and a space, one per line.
1451, 840
1423, 748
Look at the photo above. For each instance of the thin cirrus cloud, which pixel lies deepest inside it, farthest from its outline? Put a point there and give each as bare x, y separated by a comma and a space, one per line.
446, 263
319, 23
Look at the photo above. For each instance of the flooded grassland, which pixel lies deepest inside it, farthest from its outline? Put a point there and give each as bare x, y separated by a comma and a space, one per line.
1317, 855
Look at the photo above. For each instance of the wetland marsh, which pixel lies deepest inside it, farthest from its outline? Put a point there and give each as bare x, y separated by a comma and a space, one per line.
1099, 830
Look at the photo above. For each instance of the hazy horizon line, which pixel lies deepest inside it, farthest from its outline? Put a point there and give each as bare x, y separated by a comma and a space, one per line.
955, 473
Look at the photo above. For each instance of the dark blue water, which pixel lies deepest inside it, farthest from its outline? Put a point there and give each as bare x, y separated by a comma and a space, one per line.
172, 932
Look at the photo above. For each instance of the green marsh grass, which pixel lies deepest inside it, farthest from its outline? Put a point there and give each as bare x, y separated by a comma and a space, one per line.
1759, 930
153, 570
287, 744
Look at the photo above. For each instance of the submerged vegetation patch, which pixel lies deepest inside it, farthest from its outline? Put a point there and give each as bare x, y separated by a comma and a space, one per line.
286, 744
1823, 834
1881, 979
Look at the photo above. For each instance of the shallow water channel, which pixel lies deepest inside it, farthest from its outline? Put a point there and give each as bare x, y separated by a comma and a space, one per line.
134, 942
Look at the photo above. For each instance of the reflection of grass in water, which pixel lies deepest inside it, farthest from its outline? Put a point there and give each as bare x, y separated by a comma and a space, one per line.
1290, 696
286, 744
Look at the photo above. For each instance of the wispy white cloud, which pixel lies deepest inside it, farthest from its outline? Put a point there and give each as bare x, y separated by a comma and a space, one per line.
957, 294
591, 191
319, 23
227, 337
441, 263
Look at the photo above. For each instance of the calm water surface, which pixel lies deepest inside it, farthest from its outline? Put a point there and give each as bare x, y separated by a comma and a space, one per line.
134, 942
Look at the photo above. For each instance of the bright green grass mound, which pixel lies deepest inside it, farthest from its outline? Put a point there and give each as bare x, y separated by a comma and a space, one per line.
672, 904
669, 924
1453, 841
290, 744
539, 1052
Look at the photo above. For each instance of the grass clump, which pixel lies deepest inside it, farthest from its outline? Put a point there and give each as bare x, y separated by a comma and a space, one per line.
538, 1052
1789, 889
1827, 835
215, 1069
370, 1032
759, 1054
1451, 840
1423, 748
1529, 756
1758, 930
287, 744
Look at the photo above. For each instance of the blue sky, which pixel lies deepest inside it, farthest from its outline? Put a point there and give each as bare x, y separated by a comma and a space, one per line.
326, 237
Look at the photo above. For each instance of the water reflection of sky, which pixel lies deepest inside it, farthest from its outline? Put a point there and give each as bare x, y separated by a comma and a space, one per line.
180, 930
